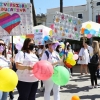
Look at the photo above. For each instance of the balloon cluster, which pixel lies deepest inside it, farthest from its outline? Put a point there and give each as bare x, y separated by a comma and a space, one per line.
70, 60
43, 70
88, 33
46, 38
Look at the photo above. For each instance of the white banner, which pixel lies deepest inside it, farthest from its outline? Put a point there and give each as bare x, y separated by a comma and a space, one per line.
15, 18
66, 26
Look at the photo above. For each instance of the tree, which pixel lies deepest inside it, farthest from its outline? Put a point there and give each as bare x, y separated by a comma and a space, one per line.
61, 6
33, 12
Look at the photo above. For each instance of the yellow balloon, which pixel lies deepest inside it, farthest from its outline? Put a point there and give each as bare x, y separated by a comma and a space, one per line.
68, 60
73, 62
88, 26
51, 33
70, 55
8, 80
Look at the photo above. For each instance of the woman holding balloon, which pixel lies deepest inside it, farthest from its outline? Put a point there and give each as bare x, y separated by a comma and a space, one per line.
3, 63
69, 49
60, 51
84, 58
25, 60
55, 60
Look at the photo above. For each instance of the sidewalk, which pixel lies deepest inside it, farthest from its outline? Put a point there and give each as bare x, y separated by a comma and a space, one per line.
78, 85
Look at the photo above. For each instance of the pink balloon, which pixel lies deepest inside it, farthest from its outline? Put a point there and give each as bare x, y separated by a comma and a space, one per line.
52, 26
67, 43
75, 56
89, 36
19, 46
43, 70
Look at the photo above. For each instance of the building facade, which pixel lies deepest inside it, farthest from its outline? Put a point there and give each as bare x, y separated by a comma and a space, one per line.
86, 12
41, 19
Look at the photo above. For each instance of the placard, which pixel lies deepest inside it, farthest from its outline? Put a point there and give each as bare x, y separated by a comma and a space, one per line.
38, 37
15, 18
66, 26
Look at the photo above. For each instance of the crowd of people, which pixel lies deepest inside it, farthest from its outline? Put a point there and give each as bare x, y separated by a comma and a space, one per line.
23, 61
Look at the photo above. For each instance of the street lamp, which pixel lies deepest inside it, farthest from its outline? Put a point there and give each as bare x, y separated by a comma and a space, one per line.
91, 39
92, 8
61, 6
33, 12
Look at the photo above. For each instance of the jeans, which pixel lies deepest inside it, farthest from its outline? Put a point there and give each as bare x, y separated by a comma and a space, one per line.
3, 95
49, 85
27, 90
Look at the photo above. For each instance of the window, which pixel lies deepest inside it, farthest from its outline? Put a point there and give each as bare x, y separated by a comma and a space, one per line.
98, 3
96, 18
80, 16
39, 23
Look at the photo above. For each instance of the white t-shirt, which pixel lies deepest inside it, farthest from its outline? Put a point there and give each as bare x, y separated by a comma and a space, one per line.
4, 62
53, 57
85, 55
90, 49
27, 60
39, 53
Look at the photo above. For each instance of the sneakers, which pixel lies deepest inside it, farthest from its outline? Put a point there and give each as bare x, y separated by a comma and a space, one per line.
91, 87
42, 89
96, 86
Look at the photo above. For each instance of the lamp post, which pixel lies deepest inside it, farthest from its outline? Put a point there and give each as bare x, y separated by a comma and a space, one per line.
91, 39
33, 12
61, 6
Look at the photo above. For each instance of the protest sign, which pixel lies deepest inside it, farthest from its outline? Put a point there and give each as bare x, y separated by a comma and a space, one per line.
66, 26
15, 18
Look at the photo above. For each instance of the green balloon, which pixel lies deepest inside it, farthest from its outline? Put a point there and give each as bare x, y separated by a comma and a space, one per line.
61, 76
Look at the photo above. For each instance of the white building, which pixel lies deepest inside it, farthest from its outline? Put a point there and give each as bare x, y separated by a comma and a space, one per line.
86, 12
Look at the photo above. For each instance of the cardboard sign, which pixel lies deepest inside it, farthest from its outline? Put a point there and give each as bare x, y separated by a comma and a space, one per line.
38, 37
15, 18
66, 26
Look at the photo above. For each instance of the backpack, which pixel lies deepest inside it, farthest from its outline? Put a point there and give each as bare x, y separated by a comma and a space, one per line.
94, 59
47, 54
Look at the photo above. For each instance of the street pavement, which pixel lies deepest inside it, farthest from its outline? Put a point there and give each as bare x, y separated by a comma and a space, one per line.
78, 85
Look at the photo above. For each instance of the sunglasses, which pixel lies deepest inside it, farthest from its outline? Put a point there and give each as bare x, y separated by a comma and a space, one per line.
2, 44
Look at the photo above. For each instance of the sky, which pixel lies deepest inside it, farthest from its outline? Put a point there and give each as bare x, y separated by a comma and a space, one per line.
41, 6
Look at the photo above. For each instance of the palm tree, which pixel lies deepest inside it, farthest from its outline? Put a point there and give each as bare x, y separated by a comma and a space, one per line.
61, 6
33, 12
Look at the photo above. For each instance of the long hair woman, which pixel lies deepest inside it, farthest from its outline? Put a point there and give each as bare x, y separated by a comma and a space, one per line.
84, 58
3, 63
94, 66
27, 82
